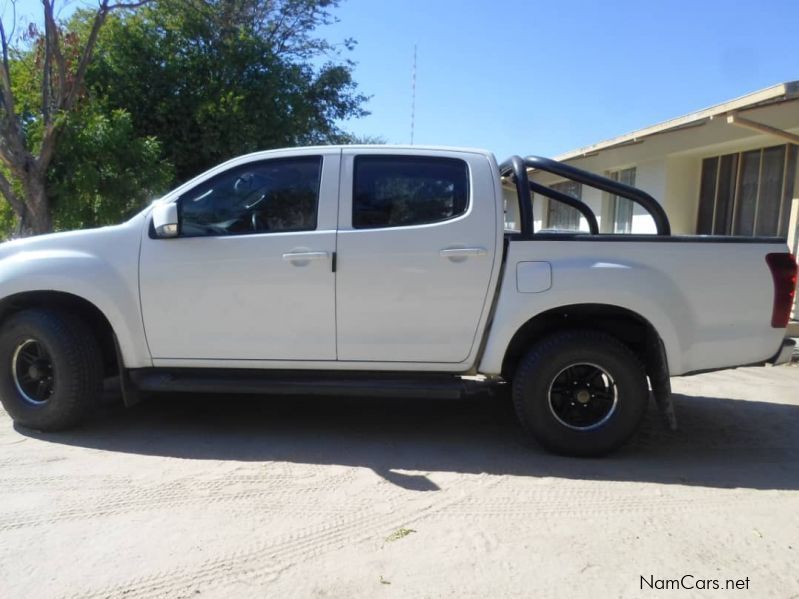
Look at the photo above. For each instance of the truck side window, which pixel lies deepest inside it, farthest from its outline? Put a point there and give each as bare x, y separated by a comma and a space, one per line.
262, 197
402, 191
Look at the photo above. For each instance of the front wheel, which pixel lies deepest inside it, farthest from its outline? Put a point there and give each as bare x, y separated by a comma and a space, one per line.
50, 369
580, 393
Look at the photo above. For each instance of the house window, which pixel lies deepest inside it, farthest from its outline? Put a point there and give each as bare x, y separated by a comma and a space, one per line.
621, 209
562, 216
747, 193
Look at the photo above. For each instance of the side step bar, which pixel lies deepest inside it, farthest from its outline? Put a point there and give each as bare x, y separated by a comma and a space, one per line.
432, 386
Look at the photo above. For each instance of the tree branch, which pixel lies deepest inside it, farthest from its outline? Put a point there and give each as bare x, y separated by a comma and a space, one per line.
13, 20
70, 97
70, 91
13, 138
5, 76
47, 148
123, 5
99, 18
46, 88
8, 193
52, 52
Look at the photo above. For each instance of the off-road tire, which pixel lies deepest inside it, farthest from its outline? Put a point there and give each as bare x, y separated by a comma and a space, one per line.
77, 368
547, 360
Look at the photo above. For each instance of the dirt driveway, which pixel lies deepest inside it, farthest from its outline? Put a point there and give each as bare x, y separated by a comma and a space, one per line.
185, 497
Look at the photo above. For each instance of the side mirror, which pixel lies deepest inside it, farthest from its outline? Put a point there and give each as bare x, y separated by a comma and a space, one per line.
165, 220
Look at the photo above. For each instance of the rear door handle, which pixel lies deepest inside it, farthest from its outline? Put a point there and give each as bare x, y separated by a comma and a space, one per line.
291, 256
462, 252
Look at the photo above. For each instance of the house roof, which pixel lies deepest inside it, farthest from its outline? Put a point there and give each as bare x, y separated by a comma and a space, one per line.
776, 93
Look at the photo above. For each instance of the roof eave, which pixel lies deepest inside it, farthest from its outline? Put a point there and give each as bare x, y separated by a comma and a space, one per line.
776, 93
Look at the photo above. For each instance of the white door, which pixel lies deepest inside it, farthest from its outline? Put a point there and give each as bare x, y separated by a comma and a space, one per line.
251, 275
416, 247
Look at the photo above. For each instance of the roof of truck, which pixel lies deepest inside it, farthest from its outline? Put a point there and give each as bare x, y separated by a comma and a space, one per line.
387, 147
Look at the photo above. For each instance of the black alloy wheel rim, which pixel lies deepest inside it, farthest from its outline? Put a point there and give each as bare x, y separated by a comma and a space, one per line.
33, 372
582, 396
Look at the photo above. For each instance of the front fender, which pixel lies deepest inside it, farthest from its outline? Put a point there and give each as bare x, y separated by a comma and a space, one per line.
111, 288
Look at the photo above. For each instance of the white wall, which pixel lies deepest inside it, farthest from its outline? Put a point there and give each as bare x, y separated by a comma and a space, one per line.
668, 167
681, 195
650, 177
793, 233
590, 196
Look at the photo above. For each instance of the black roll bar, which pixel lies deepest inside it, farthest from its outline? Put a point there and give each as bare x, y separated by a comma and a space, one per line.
579, 205
515, 165
518, 167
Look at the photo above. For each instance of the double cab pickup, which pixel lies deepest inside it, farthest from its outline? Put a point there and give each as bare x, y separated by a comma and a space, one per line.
378, 270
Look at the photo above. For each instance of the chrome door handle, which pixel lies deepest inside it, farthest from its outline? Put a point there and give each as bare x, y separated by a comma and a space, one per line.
288, 256
461, 252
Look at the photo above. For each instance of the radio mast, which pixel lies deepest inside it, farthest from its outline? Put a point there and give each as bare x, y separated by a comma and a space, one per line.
413, 93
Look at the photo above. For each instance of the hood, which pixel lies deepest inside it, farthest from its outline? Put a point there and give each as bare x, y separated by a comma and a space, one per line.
87, 240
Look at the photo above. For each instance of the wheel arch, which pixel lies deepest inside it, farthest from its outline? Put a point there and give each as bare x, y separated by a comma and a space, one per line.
627, 326
87, 311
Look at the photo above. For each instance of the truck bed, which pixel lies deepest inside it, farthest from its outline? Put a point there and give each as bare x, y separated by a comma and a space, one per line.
709, 298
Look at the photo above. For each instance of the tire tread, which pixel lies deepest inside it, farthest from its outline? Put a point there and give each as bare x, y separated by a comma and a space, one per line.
80, 351
550, 345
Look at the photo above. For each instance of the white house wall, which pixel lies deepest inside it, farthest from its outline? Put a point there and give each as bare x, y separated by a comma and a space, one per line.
651, 177
681, 194
668, 166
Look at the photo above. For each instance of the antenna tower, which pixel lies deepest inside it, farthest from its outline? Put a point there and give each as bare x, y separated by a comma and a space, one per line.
413, 93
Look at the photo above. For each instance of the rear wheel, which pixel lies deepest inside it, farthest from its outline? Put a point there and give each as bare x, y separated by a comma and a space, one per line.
50, 369
580, 393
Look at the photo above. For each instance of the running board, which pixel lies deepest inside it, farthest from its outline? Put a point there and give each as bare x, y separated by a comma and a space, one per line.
189, 380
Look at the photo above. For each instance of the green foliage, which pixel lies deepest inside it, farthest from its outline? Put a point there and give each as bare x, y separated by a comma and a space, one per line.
212, 79
7, 221
103, 172
362, 140
176, 87
102, 169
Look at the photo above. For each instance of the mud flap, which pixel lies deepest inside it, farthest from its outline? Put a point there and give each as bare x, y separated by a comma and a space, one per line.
658, 371
130, 394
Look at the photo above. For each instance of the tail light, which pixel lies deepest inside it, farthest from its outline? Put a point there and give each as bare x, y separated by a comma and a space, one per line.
783, 271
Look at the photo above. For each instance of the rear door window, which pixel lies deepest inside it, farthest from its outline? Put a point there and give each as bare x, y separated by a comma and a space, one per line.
403, 191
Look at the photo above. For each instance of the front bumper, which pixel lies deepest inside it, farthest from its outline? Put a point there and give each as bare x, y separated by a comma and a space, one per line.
785, 354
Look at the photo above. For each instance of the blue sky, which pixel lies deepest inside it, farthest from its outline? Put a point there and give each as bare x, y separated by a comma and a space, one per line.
547, 77
535, 77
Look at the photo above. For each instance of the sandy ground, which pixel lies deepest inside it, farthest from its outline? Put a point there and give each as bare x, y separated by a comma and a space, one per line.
265, 497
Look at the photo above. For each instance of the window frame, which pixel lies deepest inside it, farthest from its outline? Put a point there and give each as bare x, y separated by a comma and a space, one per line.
726, 215
245, 166
358, 158
613, 200
564, 187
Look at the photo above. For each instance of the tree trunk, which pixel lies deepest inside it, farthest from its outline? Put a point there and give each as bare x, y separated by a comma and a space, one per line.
37, 218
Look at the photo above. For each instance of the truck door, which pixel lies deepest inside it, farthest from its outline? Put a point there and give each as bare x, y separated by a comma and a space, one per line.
250, 276
416, 243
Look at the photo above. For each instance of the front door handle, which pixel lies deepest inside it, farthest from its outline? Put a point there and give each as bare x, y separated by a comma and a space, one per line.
297, 256
462, 252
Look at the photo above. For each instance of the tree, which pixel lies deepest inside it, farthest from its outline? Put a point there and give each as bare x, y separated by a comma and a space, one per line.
362, 140
89, 107
103, 171
29, 139
225, 77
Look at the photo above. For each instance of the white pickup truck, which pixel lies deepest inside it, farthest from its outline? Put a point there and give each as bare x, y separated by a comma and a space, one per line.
385, 270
